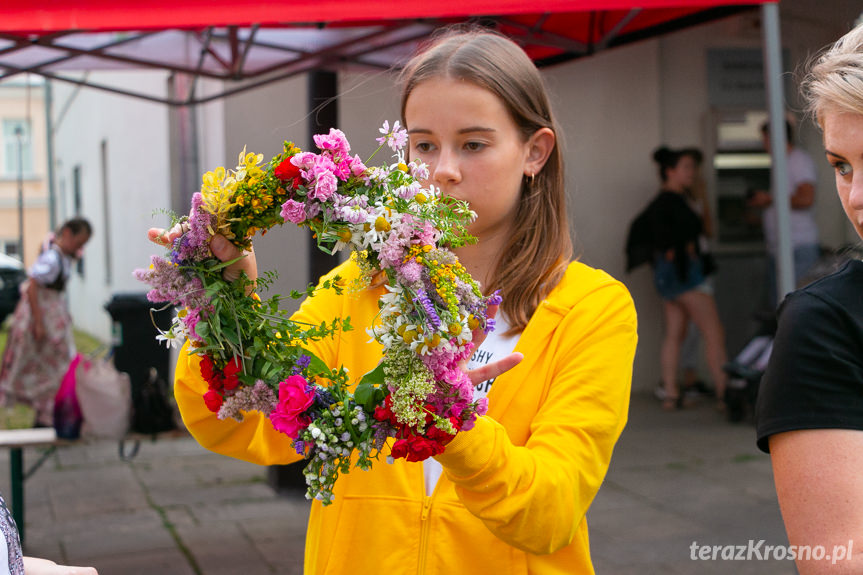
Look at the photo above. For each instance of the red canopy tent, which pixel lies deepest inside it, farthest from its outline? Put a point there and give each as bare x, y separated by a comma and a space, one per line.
249, 43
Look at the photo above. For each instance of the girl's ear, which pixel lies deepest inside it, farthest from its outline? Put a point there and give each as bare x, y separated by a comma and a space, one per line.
539, 147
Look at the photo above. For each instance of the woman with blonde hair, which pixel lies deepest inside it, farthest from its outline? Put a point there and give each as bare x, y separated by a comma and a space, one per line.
810, 406
510, 495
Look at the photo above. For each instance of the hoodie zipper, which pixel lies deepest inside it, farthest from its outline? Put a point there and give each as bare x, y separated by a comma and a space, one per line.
424, 534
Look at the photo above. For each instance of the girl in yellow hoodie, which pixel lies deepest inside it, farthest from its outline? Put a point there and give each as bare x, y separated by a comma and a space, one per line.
510, 495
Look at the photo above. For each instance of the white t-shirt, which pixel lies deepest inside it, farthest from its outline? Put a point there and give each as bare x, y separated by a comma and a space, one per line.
804, 232
495, 347
50, 266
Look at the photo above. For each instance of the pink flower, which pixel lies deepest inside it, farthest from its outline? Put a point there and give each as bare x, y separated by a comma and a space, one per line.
325, 185
294, 212
294, 399
357, 166
335, 141
304, 160
343, 170
411, 272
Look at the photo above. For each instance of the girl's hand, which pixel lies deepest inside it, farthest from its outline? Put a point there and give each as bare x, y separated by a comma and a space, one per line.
38, 330
35, 566
495, 368
219, 245
226, 251
165, 237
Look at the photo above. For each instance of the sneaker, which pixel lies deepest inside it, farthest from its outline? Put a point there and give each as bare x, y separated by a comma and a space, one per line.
699, 389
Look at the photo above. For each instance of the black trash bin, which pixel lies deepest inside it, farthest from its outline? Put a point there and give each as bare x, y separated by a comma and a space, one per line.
146, 360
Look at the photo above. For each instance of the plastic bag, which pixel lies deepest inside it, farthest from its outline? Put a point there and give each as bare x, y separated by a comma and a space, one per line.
67, 410
105, 396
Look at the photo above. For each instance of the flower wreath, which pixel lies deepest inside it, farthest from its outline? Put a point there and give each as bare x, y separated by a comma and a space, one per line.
253, 356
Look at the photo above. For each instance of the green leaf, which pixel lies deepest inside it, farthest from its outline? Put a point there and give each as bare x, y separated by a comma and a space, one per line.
231, 335
364, 393
202, 328
375, 376
223, 265
316, 365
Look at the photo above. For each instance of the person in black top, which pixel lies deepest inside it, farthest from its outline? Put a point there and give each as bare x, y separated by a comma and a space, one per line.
809, 414
669, 234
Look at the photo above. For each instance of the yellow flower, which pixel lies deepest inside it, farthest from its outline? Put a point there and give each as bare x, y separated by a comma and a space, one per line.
248, 164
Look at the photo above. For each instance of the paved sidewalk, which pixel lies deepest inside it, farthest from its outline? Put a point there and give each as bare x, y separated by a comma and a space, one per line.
177, 509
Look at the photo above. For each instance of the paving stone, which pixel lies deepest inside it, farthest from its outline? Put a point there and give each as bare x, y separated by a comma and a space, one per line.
160, 561
222, 548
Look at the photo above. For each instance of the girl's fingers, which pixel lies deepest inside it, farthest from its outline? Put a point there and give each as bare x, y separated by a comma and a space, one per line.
165, 237
495, 368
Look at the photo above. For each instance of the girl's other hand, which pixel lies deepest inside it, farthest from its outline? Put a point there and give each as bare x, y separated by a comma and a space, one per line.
36, 566
495, 368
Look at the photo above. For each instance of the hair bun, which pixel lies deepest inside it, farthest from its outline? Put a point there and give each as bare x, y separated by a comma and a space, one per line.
662, 155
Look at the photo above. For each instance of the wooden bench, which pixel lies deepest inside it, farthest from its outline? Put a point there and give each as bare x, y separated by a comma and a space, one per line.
16, 440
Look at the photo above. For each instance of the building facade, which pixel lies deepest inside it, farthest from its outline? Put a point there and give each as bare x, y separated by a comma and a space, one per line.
24, 196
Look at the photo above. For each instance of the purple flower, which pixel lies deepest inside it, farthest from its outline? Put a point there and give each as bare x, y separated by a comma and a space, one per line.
395, 139
419, 170
409, 191
423, 301
489, 325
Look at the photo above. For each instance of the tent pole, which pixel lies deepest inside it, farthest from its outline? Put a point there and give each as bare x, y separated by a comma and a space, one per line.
49, 151
778, 148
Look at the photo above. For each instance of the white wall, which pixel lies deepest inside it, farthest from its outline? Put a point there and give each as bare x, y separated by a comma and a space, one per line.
261, 120
608, 109
138, 181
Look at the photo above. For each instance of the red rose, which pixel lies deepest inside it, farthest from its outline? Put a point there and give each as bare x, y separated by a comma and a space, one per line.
421, 448
438, 435
294, 399
400, 449
287, 171
429, 410
214, 400
208, 368
217, 382
382, 413
231, 371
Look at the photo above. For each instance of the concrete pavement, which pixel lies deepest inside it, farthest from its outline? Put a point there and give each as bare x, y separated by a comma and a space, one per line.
176, 509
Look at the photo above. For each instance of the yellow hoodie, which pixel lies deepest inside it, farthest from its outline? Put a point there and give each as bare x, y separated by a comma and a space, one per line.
515, 489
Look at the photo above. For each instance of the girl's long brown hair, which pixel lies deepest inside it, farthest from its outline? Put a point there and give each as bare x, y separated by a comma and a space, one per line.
540, 248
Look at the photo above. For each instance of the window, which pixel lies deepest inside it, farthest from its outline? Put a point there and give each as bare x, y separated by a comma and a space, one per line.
16, 137
10, 248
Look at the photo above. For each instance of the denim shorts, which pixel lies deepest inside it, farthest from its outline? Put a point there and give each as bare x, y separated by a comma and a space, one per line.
668, 283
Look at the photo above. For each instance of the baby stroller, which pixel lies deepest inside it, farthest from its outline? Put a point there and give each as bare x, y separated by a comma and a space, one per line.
748, 366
